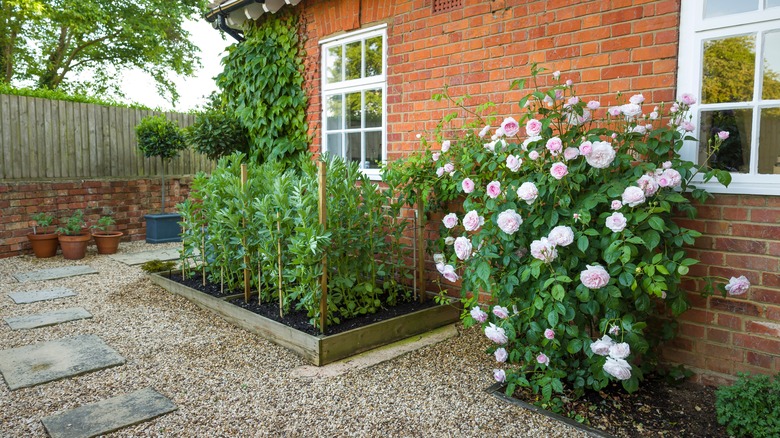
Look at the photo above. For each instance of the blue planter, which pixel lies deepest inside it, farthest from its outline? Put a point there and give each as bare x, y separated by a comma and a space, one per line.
163, 227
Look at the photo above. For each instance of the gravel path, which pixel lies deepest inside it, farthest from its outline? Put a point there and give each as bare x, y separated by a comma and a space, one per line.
228, 382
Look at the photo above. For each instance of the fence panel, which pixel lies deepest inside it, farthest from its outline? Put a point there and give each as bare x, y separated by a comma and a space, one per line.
51, 139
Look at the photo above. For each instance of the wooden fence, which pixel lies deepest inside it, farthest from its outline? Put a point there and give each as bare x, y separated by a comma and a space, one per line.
52, 139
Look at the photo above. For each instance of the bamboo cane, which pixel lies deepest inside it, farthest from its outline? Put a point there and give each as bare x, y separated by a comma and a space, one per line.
247, 286
421, 246
203, 256
259, 278
323, 221
279, 251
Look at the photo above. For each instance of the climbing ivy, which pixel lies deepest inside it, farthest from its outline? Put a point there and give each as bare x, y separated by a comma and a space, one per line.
263, 84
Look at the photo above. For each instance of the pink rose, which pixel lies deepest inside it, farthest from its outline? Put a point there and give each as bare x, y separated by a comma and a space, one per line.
445, 145
639, 129
674, 177
490, 146
614, 330
494, 189
631, 110
496, 334
533, 155
571, 153
601, 346
499, 375
738, 286
450, 220
633, 196
448, 272
586, 148
544, 250
614, 111
653, 115
574, 100
561, 236
435, 156
501, 355
438, 258
549, 334
666, 165
462, 248
601, 155
688, 126
472, 221
554, 145
594, 277
513, 162
569, 82
637, 99
616, 222
510, 126
593, 105
509, 221
449, 167
468, 185
449, 240
484, 131
723, 135
501, 312
440, 172
478, 314
543, 359
528, 192
688, 99
619, 351
533, 127
558, 170
556, 74
617, 368
648, 184
616, 205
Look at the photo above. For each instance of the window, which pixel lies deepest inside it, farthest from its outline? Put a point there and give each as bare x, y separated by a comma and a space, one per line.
730, 58
354, 98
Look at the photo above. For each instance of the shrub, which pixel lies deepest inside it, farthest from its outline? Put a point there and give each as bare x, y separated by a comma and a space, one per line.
751, 406
217, 133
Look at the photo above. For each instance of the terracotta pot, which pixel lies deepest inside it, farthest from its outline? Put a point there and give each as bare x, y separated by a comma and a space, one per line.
74, 247
43, 245
107, 242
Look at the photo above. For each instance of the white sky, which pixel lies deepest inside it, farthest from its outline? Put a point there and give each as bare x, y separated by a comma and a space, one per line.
140, 88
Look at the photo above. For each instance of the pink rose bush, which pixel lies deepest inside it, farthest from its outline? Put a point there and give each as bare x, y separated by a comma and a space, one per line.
575, 219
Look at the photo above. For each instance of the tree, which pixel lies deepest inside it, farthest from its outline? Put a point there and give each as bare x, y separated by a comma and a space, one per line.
85, 45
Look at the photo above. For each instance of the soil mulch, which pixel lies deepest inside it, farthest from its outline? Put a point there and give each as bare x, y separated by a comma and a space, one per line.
298, 319
657, 409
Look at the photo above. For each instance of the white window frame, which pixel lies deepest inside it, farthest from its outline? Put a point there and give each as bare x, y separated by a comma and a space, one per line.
353, 86
694, 30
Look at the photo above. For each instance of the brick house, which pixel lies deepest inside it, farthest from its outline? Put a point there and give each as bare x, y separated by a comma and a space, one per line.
389, 57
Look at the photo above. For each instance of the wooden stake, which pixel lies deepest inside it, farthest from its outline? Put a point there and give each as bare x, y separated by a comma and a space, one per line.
259, 278
203, 256
247, 286
324, 223
279, 251
421, 246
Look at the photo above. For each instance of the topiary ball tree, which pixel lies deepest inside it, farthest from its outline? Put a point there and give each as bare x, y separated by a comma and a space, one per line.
159, 137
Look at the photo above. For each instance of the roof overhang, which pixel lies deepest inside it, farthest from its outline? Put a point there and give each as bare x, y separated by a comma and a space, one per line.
237, 12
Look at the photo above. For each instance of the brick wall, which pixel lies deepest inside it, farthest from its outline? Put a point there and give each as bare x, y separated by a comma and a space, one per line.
129, 199
624, 46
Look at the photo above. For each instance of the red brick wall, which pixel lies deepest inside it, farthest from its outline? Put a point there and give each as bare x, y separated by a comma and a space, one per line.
129, 199
605, 47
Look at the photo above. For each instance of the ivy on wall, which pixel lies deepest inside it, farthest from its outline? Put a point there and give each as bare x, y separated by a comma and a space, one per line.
263, 84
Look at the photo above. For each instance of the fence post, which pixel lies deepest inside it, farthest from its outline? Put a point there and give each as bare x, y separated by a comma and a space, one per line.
323, 222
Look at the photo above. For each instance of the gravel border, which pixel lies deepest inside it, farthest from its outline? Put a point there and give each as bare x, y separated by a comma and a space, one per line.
229, 382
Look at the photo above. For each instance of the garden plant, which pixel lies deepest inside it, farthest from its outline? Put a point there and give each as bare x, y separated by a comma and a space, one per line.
160, 137
564, 221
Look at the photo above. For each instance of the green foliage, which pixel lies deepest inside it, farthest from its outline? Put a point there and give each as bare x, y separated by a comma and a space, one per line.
160, 137
157, 265
73, 224
751, 406
53, 42
217, 133
104, 223
279, 208
262, 83
42, 220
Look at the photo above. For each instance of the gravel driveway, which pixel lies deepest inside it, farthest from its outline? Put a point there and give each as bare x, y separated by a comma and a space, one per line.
228, 382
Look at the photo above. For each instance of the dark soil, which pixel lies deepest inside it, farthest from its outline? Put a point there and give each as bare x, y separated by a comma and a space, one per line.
657, 409
298, 319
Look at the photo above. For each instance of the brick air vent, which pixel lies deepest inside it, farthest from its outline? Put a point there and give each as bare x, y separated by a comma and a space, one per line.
446, 5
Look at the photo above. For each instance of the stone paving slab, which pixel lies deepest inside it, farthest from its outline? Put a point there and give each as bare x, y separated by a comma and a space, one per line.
139, 258
54, 273
26, 297
108, 415
34, 364
46, 319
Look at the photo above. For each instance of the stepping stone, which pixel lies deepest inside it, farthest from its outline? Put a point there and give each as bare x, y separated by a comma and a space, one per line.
46, 319
108, 415
139, 258
41, 295
54, 273
48, 361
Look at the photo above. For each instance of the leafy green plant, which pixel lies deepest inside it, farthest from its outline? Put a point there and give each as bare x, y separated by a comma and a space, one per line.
43, 220
156, 265
216, 133
159, 137
73, 224
262, 83
751, 406
104, 223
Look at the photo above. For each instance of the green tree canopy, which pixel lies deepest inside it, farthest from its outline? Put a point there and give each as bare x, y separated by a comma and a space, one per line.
84, 45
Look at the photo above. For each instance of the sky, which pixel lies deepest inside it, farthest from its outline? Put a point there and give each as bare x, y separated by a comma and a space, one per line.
140, 88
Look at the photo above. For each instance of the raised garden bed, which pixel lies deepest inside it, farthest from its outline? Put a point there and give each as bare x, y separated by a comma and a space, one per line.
317, 349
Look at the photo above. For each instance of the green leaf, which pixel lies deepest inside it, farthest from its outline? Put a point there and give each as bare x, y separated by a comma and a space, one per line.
558, 293
656, 223
582, 243
574, 346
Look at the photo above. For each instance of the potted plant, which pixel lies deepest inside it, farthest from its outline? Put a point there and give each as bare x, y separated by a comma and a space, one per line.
44, 244
72, 237
160, 137
107, 241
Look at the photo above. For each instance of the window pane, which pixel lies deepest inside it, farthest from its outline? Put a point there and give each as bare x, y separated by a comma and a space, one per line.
769, 142
772, 3
353, 110
734, 153
353, 147
353, 55
373, 150
334, 145
334, 64
333, 112
717, 8
373, 108
374, 56
771, 74
728, 69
